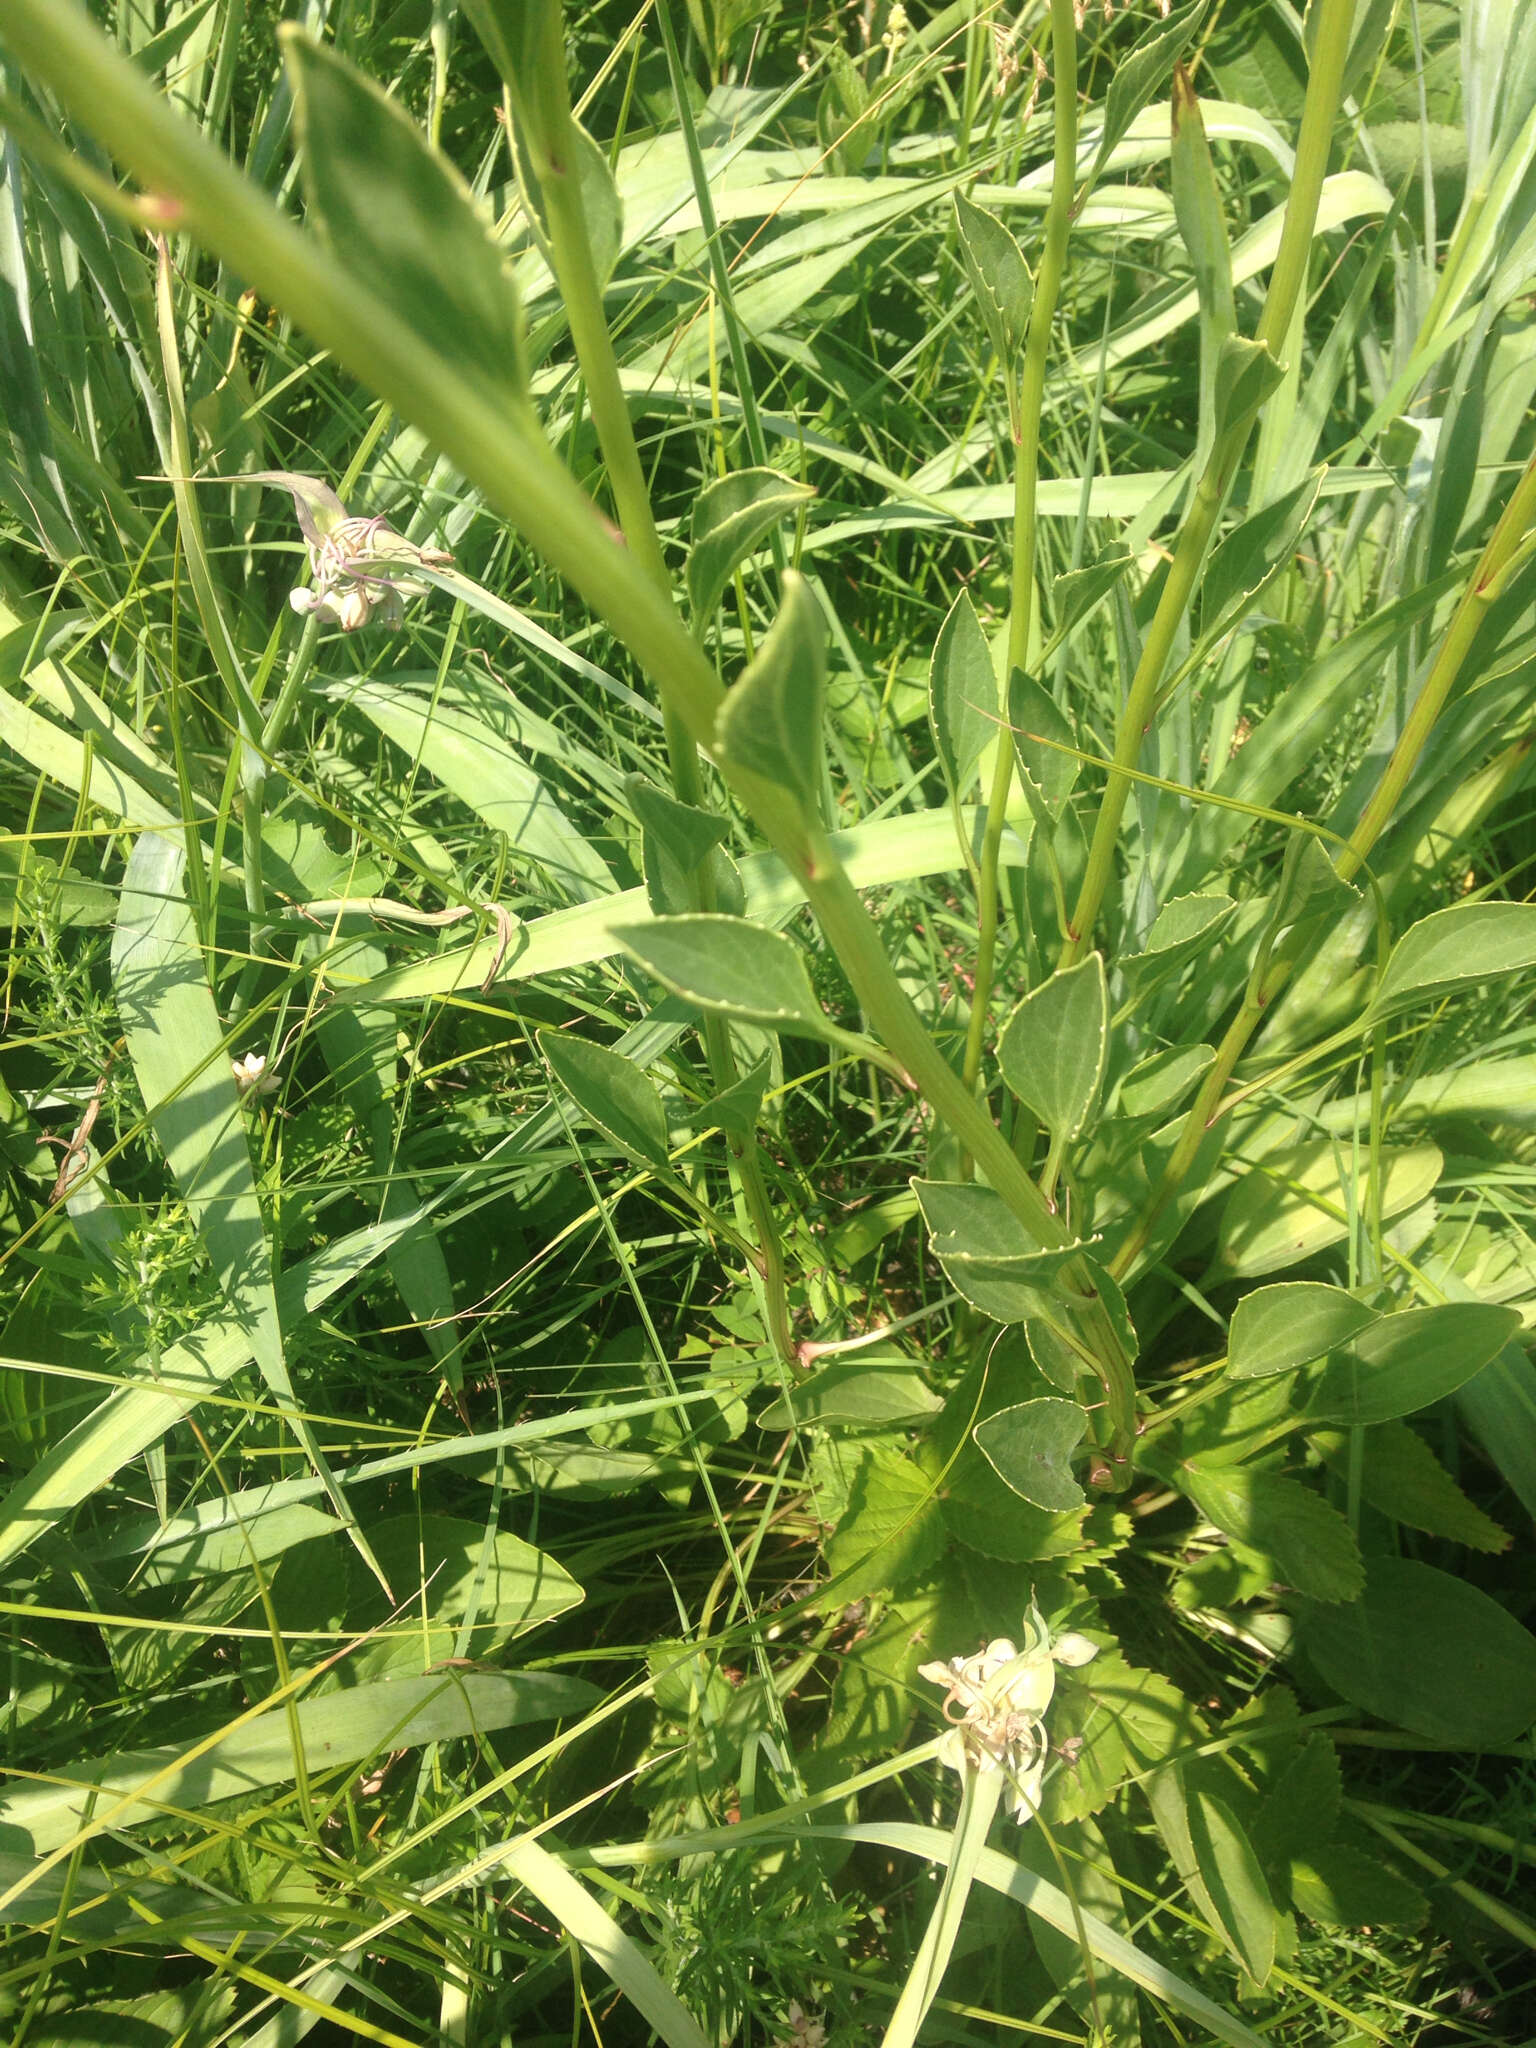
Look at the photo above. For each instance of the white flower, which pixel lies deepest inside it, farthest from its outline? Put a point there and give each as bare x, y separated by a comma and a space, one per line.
996, 1702
804, 2032
251, 1076
362, 568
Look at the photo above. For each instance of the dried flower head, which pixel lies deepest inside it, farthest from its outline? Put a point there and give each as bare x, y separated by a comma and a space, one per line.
996, 1703
362, 568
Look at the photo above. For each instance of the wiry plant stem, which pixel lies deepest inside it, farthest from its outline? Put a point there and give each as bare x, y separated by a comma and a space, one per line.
1508, 545
1287, 281
1025, 401
550, 142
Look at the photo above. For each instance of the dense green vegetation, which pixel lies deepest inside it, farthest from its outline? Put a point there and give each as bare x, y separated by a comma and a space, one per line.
766, 815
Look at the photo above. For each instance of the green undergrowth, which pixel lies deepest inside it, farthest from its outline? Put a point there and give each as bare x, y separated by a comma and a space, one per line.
766, 826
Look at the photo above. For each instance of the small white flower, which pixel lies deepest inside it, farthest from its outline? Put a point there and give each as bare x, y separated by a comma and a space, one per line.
804, 2032
996, 1703
252, 1077
362, 568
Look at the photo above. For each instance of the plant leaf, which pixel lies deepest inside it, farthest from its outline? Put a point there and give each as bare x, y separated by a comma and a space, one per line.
1455, 948
1054, 1046
1077, 592
1291, 1206
962, 696
730, 966
1154, 1085
1030, 1448
394, 210
1246, 374
1404, 1362
1301, 1809
1184, 927
611, 1092
176, 1044
879, 1389
1139, 76
339, 1729
1425, 1651
999, 277
771, 722
1253, 554
1311, 1544
1216, 1861
730, 518
1343, 1886
1275, 1329
986, 1251
1034, 720
1401, 1476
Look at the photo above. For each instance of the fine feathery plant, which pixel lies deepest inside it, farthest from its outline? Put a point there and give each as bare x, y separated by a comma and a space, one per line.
768, 1097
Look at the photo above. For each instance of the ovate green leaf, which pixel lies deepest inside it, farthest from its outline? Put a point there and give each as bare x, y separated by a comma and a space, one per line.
1253, 554
1401, 1477
876, 1389
1301, 1808
1215, 1859
395, 211
1311, 1544
730, 518
962, 696
999, 277
1035, 720
1153, 1086
1030, 1448
1343, 1886
731, 966
1455, 948
1427, 1652
1142, 73
1053, 1047
1403, 1362
771, 722
611, 1092
986, 1251
1275, 1329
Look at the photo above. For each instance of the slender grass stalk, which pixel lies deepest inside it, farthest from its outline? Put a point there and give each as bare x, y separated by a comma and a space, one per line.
1026, 398
719, 268
1508, 546
551, 143
205, 594
1287, 281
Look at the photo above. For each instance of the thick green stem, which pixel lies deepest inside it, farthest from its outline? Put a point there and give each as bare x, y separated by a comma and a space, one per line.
1024, 408
551, 146
1506, 547
1286, 284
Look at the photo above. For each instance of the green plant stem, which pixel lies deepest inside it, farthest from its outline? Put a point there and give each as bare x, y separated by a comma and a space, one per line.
550, 141
1507, 546
502, 450
719, 268
1286, 284
1024, 407
889, 1009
